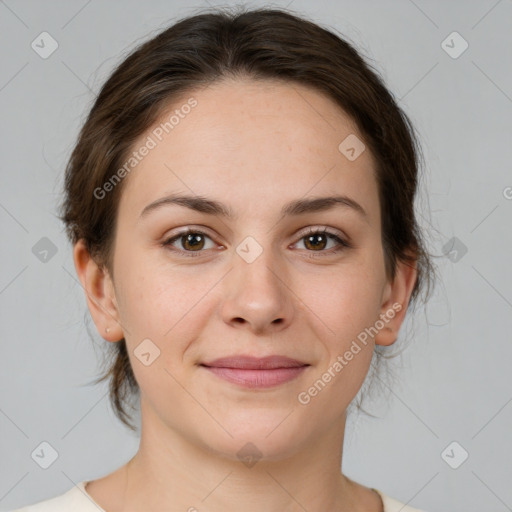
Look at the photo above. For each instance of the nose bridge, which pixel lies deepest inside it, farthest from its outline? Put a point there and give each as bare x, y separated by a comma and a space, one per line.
256, 290
257, 269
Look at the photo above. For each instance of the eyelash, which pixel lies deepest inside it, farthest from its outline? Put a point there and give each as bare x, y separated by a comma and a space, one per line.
313, 231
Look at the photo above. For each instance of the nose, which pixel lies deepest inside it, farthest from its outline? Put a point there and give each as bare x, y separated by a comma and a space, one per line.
256, 295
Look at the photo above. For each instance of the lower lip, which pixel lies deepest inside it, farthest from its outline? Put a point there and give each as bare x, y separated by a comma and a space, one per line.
257, 378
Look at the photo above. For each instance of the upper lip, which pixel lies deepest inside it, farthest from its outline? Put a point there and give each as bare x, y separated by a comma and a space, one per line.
255, 363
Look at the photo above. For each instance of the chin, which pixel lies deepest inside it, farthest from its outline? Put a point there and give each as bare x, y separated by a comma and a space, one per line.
260, 438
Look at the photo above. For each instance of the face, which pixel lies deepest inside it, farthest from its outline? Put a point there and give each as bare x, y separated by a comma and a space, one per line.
304, 284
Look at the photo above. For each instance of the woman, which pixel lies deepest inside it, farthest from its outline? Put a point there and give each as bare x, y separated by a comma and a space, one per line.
240, 201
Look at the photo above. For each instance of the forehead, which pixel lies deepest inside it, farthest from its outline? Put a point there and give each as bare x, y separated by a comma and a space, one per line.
252, 143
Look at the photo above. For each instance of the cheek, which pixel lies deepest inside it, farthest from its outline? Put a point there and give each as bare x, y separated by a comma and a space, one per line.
149, 294
345, 300
347, 304
161, 303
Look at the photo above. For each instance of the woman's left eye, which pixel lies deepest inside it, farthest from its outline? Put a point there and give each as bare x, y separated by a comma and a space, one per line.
315, 240
318, 240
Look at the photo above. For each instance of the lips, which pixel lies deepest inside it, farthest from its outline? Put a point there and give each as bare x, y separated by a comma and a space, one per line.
254, 372
255, 363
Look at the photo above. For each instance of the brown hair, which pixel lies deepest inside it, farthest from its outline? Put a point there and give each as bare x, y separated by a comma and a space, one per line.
262, 44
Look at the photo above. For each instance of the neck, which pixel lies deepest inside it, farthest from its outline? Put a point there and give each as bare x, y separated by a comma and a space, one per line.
170, 470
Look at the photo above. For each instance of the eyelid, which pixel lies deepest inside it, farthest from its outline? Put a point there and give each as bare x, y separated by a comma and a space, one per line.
321, 229
185, 230
303, 232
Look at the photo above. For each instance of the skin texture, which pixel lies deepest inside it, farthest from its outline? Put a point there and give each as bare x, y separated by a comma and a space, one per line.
253, 146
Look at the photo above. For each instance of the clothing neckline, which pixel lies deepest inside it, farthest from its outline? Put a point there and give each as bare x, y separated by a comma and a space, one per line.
381, 496
82, 486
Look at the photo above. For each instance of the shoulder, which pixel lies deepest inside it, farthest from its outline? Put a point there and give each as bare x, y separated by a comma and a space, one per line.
75, 499
392, 505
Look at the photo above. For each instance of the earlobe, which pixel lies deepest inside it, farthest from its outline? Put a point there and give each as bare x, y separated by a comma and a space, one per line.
99, 293
395, 302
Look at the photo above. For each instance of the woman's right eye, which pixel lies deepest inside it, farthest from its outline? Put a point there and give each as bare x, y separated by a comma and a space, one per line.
191, 241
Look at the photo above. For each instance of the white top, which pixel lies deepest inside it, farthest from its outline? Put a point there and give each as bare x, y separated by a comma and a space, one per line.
78, 500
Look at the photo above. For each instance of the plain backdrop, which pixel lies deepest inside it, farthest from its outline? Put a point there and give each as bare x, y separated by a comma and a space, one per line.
444, 442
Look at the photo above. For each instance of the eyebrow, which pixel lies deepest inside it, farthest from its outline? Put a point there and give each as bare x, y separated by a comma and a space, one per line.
296, 207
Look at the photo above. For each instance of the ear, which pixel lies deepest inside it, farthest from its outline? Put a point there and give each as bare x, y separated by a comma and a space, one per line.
99, 292
395, 301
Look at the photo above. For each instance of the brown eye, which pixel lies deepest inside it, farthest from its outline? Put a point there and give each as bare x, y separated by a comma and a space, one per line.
191, 241
317, 240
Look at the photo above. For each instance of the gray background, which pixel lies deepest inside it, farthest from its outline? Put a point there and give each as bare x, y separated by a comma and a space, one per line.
454, 375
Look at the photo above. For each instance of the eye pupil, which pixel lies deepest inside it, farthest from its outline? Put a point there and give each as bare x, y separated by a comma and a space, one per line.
317, 235
194, 241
